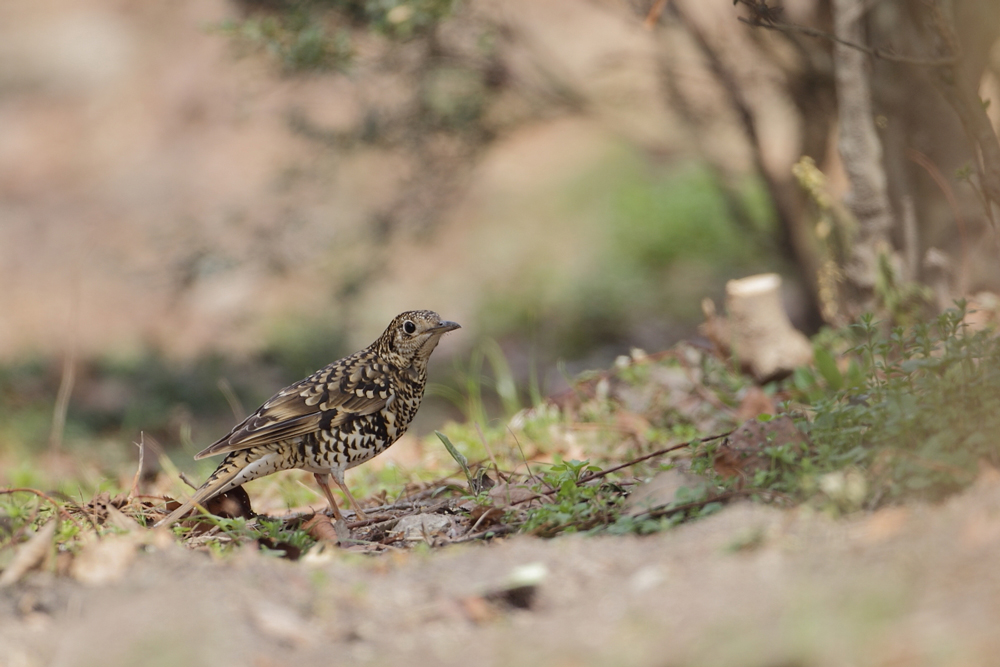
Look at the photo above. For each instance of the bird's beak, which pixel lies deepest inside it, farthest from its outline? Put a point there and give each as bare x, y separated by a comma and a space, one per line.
445, 327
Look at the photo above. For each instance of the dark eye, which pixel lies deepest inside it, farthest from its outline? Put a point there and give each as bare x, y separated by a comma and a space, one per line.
409, 327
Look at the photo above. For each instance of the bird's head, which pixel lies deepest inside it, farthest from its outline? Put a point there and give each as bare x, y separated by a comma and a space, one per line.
412, 336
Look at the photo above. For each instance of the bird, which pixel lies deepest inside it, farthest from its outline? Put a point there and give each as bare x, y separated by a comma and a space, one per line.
342, 415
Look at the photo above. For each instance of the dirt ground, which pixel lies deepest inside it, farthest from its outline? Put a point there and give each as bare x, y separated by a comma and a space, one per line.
751, 585
186, 230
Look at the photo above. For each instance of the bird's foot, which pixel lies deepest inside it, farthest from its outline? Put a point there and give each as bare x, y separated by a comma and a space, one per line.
343, 532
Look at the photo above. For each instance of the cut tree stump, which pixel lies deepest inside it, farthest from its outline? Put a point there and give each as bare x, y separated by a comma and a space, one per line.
757, 331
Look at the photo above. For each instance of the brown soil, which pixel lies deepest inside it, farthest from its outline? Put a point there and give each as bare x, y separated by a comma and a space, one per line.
752, 585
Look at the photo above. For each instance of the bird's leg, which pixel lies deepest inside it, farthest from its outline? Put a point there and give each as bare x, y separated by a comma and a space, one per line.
324, 483
339, 479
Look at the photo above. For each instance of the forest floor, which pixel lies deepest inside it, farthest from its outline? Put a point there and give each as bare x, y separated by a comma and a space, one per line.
701, 530
914, 584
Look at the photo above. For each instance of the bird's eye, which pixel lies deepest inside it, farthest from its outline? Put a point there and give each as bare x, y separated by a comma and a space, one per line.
409, 327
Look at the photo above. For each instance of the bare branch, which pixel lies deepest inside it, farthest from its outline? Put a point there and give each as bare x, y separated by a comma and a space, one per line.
764, 16
783, 193
949, 194
962, 94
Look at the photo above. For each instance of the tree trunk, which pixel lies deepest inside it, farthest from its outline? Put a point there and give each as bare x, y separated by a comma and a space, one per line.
861, 153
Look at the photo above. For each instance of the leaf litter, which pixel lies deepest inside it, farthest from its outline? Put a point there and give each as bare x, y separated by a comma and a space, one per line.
649, 467
626, 414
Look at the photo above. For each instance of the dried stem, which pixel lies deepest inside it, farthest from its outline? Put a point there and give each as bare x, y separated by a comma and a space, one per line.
949, 194
138, 472
230, 395
660, 452
62, 399
963, 96
52, 501
67, 380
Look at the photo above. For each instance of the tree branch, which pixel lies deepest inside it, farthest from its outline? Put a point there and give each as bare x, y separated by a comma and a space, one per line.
784, 194
763, 16
963, 96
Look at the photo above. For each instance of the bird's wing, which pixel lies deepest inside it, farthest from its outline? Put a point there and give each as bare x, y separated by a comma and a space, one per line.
352, 387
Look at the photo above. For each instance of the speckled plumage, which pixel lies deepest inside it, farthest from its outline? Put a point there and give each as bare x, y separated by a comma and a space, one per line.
338, 417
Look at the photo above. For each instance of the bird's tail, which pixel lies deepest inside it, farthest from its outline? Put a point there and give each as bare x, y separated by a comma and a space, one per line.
219, 482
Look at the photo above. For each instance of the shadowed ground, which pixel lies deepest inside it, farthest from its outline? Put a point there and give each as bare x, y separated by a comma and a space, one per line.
911, 585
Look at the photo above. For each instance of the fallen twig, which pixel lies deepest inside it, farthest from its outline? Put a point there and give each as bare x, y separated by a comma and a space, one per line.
372, 520
667, 510
187, 480
602, 473
499, 530
764, 16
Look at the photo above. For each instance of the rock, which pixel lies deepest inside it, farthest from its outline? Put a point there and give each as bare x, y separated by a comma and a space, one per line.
421, 527
660, 491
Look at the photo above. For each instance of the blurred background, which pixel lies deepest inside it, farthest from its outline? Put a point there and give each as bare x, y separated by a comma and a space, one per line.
203, 201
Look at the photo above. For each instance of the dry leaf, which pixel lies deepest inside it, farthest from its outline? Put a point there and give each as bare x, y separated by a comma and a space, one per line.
30, 554
231, 504
121, 521
321, 529
755, 402
483, 516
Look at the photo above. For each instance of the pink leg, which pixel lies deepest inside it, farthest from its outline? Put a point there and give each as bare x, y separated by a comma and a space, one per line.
324, 484
347, 492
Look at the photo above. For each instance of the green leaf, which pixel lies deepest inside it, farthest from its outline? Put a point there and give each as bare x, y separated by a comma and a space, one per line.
457, 455
827, 367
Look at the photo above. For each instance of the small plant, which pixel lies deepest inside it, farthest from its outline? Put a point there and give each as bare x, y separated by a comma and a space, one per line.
470, 397
884, 415
272, 536
914, 409
298, 33
477, 482
574, 506
927, 413
694, 502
